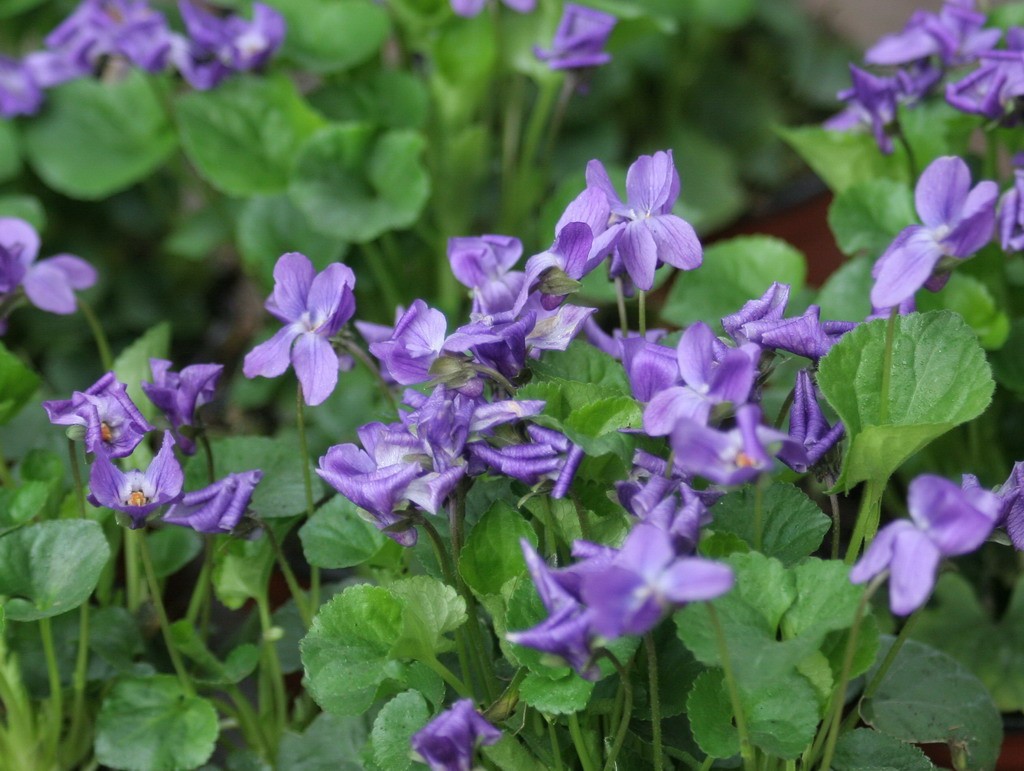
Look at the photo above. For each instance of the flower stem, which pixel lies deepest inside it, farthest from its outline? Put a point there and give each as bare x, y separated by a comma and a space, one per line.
377, 264
641, 297
746, 749
6, 480
301, 600
833, 499
307, 483
448, 676
82, 657
867, 519
620, 301
580, 743
655, 697
627, 708
556, 752
53, 675
97, 333
364, 359
138, 536
278, 696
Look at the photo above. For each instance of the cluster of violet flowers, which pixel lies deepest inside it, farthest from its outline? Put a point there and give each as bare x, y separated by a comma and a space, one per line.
98, 31
111, 426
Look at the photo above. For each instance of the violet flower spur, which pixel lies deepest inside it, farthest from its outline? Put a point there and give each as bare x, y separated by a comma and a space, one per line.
648, 233
958, 221
579, 40
137, 493
313, 306
808, 427
112, 423
447, 742
179, 394
945, 521
217, 508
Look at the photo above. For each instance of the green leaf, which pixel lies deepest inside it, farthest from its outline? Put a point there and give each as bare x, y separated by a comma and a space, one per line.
1008, 361
114, 638
244, 135
393, 728
132, 365
17, 384
492, 553
49, 568
583, 363
172, 548
510, 753
24, 207
354, 185
10, 153
825, 601
25, 502
926, 696
733, 272
865, 750
330, 743
333, 35
970, 298
793, 524
847, 292
782, 718
866, 217
269, 226
385, 98
348, 648
939, 379
240, 663
122, 123
844, 158
150, 724
711, 716
431, 610
241, 570
562, 696
338, 537
281, 494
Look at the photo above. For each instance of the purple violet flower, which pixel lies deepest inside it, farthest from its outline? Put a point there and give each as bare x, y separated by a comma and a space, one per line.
556, 272
217, 508
648, 233
668, 504
1011, 215
612, 344
484, 264
179, 394
447, 742
958, 221
126, 28
579, 40
804, 335
993, 88
470, 8
48, 284
549, 455
870, 101
313, 307
20, 94
113, 424
808, 427
137, 493
946, 521
956, 35
1011, 498
771, 306
645, 579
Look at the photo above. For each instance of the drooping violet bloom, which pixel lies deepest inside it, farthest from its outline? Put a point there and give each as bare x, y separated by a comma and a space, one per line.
125, 28
945, 521
771, 306
113, 424
712, 373
1011, 215
956, 35
448, 742
612, 343
554, 330
804, 335
993, 89
556, 272
137, 493
180, 394
48, 284
1011, 498
958, 221
217, 508
567, 634
20, 94
470, 8
870, 101
646, 579
313, 307
648, 233
484, 264
670, 505
219, 46
579, 40
730, 457
548, 456
808, 427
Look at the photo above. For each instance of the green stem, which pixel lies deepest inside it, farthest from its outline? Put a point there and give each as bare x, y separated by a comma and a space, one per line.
201, 591
883, 396
836, 523
279, 698
538, 120
204, 440
248, 720
134, 591
97, 333
76, 475
448, 676
627, 709
307, 483
746, 748
556, 751
759, 514
867, 519
580, 744
382, 274
138, 536
497, 377
361, 355
911, 160
53, 675
655, 697
79, 679
641, 297
620, 301
301, 601
6, 480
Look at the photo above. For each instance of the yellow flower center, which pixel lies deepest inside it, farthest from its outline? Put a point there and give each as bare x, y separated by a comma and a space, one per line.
137, 498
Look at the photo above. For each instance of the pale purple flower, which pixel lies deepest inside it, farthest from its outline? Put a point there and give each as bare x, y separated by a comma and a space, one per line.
1011, 215
579, 40
993, 88
646, 579
470, 8
870, 101
448, 742
20, 94
958, 221
669, 504
484, 264
1011, 498
771, 306
808, 427
945, 521
612, 344
648, 234
135, 492
48, 284
217, 508
113, 424
125, 28
651, 368
804, 335
955, 35
549, 455
559, 268
313, 307
179, 394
